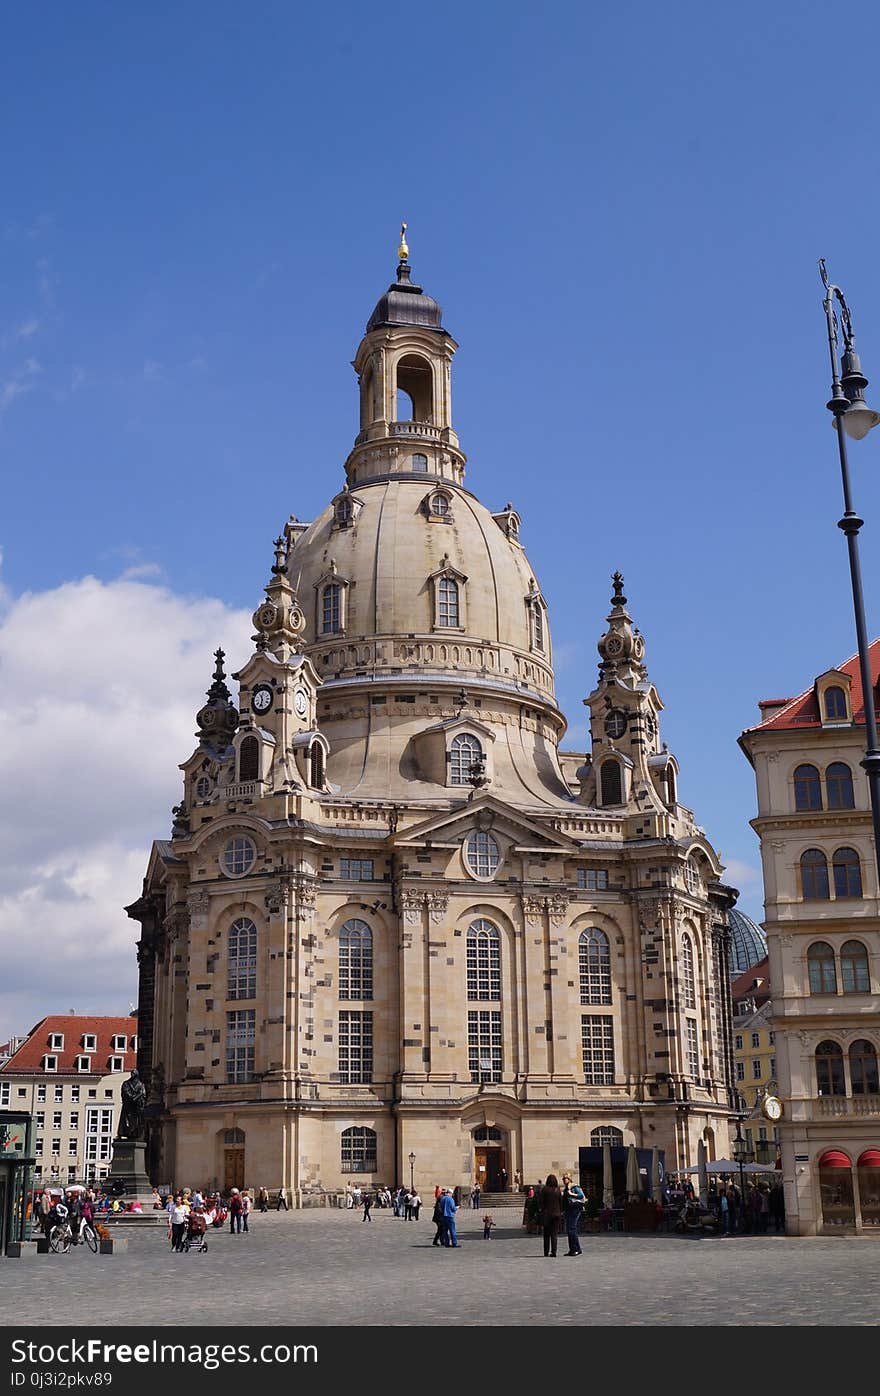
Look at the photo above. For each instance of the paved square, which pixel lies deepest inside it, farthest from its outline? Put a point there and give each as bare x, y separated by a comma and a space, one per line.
328, 1267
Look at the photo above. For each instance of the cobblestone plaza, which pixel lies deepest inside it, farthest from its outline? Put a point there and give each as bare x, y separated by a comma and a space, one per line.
328, 1267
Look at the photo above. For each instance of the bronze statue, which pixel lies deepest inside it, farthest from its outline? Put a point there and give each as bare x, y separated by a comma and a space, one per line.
134, 1098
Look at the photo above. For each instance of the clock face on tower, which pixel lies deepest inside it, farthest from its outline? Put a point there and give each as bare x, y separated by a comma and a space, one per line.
300, 702
772, 1108
261, 698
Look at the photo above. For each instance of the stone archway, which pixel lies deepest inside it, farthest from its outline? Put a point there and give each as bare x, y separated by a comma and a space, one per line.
490, 1158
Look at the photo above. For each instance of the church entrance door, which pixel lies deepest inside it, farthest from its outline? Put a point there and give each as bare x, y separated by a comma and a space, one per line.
488, 1164
233, 1168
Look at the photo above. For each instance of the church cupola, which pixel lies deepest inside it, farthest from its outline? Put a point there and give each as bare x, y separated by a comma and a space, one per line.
217, 721
404, 365
621, 648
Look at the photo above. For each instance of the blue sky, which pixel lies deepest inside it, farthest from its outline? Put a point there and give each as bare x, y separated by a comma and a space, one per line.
620, 212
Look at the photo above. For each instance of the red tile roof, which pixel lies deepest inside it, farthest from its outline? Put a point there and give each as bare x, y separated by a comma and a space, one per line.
743, 987
28, 1060
803, 711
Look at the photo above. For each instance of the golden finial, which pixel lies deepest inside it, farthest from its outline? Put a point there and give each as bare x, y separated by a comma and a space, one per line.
403, 250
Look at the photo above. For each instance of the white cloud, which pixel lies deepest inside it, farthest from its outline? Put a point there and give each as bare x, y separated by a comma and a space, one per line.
28, 329
20, 382
99, 686
741, 874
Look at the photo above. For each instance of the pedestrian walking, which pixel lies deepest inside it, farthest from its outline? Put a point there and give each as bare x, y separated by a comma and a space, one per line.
235, 1211
475, 1197
448, 1208
282, 1200
573, 1203
437, 1219
177, 1217
263, 1199
724, 1212
368, 1203
407, 1206
551, 1212
416, 1204
245, 1210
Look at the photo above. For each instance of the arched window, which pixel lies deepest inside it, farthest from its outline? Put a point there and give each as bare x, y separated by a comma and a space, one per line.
331, 609
463, 752
482, 854
807, 788
835, 704
823, 972
447, 601
847, 873
612, 787
669, 777
355, 961
814, 875
241, 960
854, 968
316, 763
863, 1068
439, 505
344, 511
483, 962
233, 1136
606, 1134
358, 1150
594, 962
249, 759
418, 462
484, 1135
687, 972
829, 1069
692, 876
839, 785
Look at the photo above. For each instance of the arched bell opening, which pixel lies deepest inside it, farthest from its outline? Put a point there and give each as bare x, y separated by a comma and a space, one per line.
414, 390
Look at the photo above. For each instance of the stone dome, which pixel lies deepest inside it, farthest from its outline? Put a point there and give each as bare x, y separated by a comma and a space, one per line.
387, 544
748, 942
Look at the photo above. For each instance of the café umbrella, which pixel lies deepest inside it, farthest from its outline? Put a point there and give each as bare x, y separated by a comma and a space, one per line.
702, 1174
633, 1184
607, 1177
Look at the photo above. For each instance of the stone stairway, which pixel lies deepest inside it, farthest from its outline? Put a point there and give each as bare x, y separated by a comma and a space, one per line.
490, 1201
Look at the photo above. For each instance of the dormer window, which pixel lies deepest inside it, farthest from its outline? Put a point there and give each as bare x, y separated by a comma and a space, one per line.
439, 505
447, 602
464, 753
331, 609
50, 1063
835, 704
56, 1041
116, 1063
89, 1041
344, 512
119, 1043
83, 1063
611, 783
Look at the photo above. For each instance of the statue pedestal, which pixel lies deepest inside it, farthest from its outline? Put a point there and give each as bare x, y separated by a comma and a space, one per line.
128, 1170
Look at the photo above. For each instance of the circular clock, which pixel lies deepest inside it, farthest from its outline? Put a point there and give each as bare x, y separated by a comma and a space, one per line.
616, 723
261, 698
613, 645
300, 701
772, 1108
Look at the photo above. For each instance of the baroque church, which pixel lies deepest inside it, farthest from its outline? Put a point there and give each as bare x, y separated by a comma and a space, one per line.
395, 924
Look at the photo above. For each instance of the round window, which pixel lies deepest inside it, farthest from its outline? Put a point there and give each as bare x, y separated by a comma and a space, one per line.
439, 504
239, 857
203, 787
482, 855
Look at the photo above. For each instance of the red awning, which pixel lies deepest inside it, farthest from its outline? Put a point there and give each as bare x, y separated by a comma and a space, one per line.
834, 1159
870, 1159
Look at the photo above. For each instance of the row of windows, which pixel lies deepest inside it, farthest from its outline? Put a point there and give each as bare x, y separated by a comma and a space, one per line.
757, 1069
839, 791
830, 1075
756, 1040
5, 1091
89, 1042
359, 1145
854, 973
846, 870
447, 600
50, 1063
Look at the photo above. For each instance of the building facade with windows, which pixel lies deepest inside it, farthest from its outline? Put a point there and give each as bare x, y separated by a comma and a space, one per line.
822, 907
393, 917
68, 1073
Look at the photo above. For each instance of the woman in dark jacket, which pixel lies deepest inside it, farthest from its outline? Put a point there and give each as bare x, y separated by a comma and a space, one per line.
551, 1211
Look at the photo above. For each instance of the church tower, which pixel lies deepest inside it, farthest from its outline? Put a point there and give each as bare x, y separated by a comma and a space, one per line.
393, 916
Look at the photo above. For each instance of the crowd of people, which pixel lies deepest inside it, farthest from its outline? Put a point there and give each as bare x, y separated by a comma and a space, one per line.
761, 1210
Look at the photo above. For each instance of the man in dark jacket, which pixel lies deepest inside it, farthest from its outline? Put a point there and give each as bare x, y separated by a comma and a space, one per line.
573, 1200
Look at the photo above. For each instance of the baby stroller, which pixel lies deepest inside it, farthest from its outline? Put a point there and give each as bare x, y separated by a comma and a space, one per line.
196, 1226
220, 1215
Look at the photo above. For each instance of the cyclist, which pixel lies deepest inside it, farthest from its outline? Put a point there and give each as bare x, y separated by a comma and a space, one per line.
75, 1214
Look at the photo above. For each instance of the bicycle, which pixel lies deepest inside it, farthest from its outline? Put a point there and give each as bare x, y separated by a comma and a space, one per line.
61, 1238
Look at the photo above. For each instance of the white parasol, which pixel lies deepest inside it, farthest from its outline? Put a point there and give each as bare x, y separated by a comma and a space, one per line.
633, 1182
702, 1174
607, 1177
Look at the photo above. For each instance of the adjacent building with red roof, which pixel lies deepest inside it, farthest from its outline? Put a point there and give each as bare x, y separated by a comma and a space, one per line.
68, 1073
822, 907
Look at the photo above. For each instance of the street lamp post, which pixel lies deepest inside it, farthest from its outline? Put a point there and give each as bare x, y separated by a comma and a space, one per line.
852, 413
741, 1155
412, 1160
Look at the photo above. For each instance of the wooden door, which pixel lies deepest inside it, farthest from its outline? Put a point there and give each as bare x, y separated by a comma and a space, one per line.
481, 1167
233, 1169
